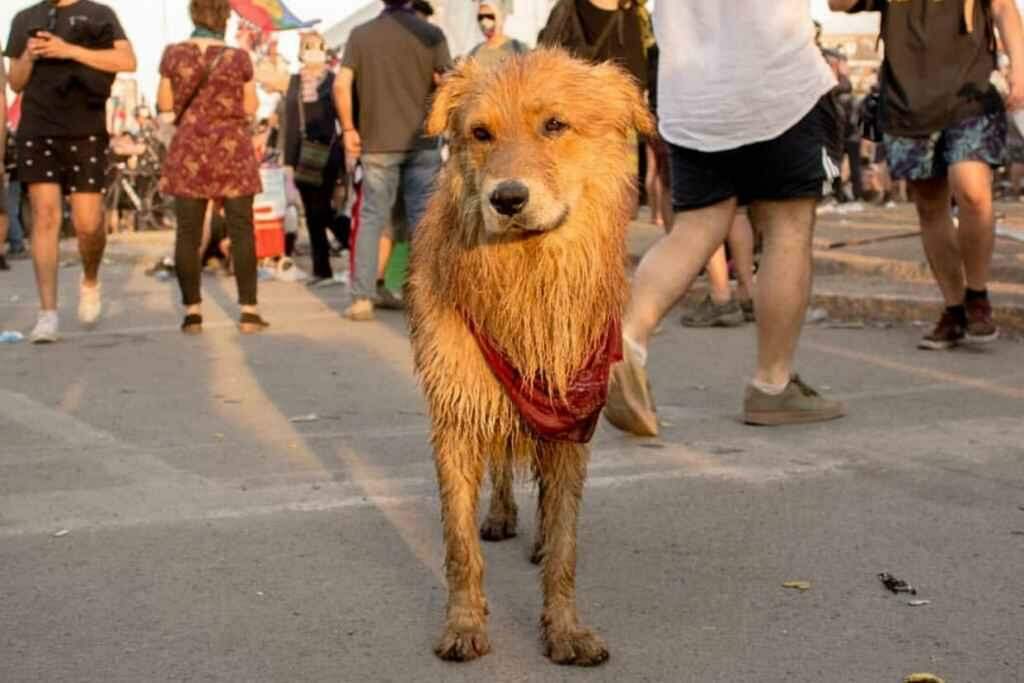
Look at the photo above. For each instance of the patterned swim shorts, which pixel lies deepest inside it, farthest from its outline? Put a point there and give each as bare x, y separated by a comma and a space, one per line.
982, 138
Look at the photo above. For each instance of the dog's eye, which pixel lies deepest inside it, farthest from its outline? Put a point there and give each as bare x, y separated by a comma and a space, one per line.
482, 134
554, 126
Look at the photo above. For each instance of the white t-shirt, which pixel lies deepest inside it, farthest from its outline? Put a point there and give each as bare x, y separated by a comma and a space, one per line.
735, 72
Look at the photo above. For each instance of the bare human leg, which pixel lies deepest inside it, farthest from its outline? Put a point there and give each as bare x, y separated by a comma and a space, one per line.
718, 277
939, 237
741, 244
784, 284
669, 267
971, 184
47, 215
87, 217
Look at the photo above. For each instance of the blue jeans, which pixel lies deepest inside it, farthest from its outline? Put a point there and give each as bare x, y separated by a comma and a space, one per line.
384, 175
15, 233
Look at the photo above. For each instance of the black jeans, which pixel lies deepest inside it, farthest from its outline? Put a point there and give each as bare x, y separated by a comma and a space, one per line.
320, 219
238, 217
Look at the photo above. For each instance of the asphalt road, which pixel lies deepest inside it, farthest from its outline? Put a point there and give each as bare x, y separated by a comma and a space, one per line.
162, 518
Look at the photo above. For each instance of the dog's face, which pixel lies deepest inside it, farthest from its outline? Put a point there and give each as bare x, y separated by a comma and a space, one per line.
530, 135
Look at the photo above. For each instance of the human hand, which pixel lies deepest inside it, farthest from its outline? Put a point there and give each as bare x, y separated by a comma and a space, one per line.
1015, 100
51, 47
353, 146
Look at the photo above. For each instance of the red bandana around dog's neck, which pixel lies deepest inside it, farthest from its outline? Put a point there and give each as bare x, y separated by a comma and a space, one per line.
572, 417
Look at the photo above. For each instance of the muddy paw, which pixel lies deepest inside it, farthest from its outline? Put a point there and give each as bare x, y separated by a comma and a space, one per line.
497, 528
463, 644
581, 647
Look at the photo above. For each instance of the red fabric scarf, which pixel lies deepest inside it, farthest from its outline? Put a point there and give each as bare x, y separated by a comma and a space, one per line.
572, 417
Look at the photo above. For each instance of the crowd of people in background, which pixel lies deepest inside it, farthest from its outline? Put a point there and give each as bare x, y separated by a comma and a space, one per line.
758, 122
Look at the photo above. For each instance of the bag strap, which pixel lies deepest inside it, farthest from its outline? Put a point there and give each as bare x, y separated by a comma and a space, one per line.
199, 86
613, 21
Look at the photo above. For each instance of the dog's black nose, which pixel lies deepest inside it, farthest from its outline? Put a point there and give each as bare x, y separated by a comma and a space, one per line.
510, 197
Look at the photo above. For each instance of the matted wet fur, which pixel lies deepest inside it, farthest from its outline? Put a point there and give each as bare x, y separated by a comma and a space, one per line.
542, 278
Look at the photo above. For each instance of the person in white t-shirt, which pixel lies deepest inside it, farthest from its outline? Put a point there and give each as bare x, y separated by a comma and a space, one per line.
745, 108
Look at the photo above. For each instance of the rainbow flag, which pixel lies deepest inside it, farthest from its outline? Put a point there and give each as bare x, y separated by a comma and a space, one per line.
269, 15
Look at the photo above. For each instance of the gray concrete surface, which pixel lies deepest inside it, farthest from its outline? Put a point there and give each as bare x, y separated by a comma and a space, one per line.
209, 538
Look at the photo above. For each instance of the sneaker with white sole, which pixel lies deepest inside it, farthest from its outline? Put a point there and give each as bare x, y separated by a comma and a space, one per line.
90, 304
47, 329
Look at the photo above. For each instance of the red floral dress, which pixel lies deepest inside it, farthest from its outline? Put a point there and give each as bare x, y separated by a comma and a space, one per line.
211, 156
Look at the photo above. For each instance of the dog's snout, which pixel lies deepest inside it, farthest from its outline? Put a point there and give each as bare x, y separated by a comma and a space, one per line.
509, 197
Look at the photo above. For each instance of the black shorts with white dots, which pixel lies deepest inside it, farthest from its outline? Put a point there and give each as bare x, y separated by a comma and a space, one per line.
78, 165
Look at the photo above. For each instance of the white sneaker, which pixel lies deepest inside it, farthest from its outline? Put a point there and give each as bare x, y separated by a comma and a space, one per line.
46, 329
90, 304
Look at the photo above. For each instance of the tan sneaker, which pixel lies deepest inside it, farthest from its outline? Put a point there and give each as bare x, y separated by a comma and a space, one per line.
798, 404
630, 405
361, 310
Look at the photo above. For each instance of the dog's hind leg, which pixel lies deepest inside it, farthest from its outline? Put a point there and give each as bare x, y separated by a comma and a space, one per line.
537, 556
460, 469
500, 522
562, 468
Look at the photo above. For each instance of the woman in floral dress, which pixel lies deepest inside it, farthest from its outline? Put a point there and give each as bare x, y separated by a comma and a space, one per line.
211, 157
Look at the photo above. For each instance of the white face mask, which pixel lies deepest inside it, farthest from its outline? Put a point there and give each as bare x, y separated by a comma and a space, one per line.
314, 57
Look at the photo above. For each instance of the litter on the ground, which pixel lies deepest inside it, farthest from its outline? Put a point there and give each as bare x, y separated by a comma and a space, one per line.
895, 585
62, 533
816, 315
312, 417
923, 678
11, 337
919, 603
798, 585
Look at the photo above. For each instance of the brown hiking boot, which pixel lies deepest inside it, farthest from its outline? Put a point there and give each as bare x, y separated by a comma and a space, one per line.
709, 314
630, 405
798, 404
948, 333
980, 328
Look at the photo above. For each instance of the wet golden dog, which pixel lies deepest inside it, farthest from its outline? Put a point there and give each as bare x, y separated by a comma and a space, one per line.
523, 244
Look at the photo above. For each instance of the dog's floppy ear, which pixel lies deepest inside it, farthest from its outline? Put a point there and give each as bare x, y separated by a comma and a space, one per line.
622, 95
454, 87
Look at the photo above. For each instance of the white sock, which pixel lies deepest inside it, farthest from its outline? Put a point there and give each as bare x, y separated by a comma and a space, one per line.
639, 351
770, 389
48, 315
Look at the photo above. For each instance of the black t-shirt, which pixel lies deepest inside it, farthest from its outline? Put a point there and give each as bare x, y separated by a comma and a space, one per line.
64, 98
625, 46
936, 71
394, 58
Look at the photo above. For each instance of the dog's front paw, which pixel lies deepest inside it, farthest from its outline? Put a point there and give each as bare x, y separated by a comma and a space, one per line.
498, 527
579, 647
463, 643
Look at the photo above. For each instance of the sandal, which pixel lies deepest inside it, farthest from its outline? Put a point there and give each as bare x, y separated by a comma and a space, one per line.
193, 324
252, 323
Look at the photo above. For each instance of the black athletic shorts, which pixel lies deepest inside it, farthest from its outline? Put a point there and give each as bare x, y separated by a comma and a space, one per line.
795, 165
76, 164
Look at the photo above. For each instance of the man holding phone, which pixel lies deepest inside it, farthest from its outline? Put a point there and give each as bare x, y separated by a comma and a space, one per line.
64, 56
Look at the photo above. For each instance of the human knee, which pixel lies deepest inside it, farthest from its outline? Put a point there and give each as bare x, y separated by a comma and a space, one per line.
974, 199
